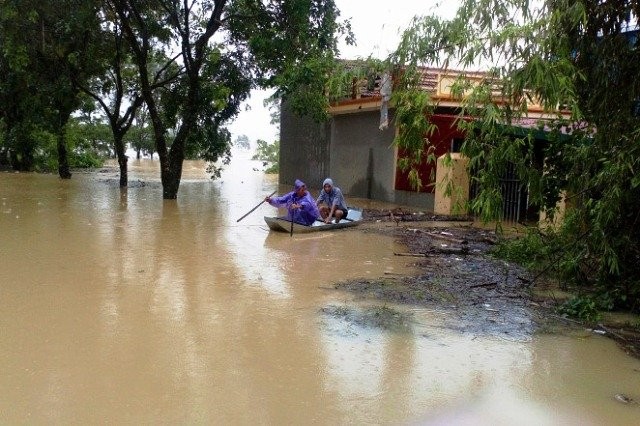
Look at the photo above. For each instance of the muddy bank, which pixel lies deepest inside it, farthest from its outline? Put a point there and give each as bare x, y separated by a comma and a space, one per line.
481, 294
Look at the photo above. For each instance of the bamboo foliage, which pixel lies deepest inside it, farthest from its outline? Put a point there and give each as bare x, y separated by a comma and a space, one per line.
574, 61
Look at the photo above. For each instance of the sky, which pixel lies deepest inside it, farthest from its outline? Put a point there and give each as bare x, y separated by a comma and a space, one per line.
376, 24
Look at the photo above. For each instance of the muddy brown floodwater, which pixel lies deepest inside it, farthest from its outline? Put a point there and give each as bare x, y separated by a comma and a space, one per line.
119, 307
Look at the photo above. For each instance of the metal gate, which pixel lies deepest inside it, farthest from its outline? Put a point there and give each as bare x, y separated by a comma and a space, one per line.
514, 196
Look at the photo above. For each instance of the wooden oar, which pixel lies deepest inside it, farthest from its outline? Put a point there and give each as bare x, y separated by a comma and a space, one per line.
253, 209
291, 232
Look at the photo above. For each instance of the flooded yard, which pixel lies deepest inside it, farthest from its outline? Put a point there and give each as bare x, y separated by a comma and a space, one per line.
119, 307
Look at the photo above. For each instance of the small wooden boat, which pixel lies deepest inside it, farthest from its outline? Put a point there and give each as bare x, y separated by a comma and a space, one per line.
283, 224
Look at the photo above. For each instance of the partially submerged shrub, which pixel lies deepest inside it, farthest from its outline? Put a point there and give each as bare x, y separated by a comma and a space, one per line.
529, 250
583, 308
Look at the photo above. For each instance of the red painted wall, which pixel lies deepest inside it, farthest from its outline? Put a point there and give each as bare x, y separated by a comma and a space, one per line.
442, 140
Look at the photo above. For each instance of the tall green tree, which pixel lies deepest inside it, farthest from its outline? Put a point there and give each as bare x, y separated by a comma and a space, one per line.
224, 49
575, 56
44, 45
115, 89
19, 95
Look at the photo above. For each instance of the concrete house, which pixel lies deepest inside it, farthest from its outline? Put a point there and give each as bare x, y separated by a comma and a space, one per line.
357, 151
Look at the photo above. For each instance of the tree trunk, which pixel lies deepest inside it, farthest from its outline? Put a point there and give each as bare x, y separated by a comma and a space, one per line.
63, 157
122, 159
175, 157
171, 172
170, 185
124, 173
170, 159
64, 113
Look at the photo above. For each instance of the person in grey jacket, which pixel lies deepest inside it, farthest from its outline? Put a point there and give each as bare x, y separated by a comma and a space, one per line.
331, 202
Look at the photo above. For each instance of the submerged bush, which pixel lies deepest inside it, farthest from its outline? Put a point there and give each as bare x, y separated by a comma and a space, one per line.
581, 307
529, 250
565, 256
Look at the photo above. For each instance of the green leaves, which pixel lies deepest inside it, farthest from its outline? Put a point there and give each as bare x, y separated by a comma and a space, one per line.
581, 307
571, 61
269, 153
290, 46
46, 47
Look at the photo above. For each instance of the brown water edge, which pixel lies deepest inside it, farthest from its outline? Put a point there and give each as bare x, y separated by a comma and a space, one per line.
487, 295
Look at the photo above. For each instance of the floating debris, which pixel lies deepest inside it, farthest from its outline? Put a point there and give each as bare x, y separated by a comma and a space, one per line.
623, 398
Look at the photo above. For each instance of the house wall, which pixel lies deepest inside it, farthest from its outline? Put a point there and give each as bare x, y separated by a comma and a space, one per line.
304, 149
363, 160
362, 155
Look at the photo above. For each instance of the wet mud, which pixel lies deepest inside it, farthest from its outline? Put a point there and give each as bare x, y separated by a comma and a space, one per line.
481, 295
383, 317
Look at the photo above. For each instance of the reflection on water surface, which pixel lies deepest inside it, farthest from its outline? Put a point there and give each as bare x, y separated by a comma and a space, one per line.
120, 307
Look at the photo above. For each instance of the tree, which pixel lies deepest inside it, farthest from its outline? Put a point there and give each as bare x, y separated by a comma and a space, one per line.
39, 38
285, 44
115, 89
19, 97
572, 55
268, 153
242, 141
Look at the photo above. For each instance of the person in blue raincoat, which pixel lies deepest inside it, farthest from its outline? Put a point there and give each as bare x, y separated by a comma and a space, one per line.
299, 204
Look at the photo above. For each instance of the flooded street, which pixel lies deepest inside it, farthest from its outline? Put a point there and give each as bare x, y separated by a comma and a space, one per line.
119, 307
